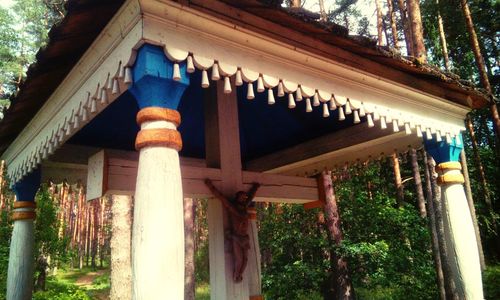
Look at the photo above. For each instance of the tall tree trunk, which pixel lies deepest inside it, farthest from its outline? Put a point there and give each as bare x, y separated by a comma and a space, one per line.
295, 3
95, 233
417, 30
189, 271
434, 237
121, 233
397, 180
479, 164
442, 38
392, 19
322, 11
380, 39
342, 281
88, 235
483, 76
470, 201
418, 183
406, 28
2, 181
449, 283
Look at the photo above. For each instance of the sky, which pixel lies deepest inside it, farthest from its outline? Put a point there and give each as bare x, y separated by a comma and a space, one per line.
5, 3
367, 8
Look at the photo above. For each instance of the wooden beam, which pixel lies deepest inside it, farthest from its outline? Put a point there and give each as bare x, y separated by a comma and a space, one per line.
328, 143
58, 172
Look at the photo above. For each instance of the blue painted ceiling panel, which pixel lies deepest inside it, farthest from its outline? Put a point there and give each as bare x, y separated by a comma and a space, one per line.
263, 128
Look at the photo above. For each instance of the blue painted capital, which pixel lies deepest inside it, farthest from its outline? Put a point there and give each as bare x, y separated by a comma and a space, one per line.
153, 84
27, 187
444, 152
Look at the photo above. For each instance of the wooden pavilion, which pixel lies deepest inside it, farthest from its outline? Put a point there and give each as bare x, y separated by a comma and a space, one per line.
264, 97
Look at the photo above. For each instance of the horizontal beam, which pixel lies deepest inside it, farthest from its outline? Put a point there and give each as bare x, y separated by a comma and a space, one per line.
313, 148
116, 173
58, 172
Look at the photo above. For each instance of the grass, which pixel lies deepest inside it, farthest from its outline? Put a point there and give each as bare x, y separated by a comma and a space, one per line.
63, 286
202, 292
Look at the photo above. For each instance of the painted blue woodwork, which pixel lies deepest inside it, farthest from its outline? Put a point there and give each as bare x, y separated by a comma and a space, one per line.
444, 152
152, 79
263, 128
27, 187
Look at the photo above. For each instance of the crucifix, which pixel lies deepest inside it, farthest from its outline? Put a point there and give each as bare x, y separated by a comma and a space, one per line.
237, 233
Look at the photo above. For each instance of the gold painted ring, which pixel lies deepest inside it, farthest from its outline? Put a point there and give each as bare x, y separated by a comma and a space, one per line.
23, 215
451, 165
450, 178
169, 138
158, 114
24, 204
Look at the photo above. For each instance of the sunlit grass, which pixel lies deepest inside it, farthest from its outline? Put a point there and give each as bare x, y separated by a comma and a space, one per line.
202, 292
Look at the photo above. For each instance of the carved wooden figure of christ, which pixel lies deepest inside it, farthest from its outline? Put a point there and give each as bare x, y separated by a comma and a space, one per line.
238, 231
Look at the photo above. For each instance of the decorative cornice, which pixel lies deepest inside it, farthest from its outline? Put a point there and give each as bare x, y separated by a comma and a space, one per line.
226, 52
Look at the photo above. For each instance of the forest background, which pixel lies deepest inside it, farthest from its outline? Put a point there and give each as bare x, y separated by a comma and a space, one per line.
386, 237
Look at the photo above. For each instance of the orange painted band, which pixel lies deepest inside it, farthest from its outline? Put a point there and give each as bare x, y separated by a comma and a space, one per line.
252, 213
450, 178
169, 138
451, 165
313, 204
24, 204
257, 297
23, 215
158, 114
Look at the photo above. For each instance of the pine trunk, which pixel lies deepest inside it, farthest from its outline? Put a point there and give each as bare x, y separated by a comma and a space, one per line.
322, 11
418, 183
481, 68
432, 228
417, 30
95, 233
449, 283
470, 201
394, 29
442, 38
406, 28
121, 232
397, 180
295, 3
379, 23
342, 281
189, 271
479, 164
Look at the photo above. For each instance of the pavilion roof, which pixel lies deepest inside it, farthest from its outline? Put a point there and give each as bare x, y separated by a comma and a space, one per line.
85, 19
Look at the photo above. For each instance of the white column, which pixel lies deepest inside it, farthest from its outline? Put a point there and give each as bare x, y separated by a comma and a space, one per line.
459, 232
158, 227
21, 264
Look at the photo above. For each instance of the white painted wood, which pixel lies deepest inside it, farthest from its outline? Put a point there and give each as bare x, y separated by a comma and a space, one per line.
158, 227
121, 266
222, 142
21, 264
254, 267
460, 241
97, 175
181, 30
188, 29
59, 172
110, 49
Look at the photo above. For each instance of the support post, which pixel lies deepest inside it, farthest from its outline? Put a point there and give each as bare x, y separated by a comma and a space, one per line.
254, 267
21, 264
458, 226
121, 267
158, 227
222, 147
